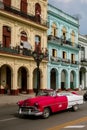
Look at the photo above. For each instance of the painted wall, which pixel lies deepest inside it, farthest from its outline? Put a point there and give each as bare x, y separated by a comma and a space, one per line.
61, 20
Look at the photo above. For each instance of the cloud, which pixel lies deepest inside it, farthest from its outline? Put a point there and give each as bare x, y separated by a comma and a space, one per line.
64, 1
76, 8
83, 1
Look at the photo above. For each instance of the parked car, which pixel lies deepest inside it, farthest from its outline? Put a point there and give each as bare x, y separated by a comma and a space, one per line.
47, 102
85, 96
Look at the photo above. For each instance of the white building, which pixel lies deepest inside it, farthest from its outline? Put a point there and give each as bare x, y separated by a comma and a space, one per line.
83, 61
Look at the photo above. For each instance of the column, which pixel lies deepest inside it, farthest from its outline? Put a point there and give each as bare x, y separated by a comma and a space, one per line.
14, 89
59, 80
30, 82
48, 78
77, 80
43, 77
85, 80
68, 81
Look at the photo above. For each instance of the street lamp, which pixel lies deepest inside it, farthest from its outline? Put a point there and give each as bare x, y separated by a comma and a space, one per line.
38, 57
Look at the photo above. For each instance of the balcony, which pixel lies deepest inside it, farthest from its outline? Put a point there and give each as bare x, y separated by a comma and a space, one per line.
67, 61
17, 12
15, 51
62, 42
83, 60
63, 61
55, 59
18, 51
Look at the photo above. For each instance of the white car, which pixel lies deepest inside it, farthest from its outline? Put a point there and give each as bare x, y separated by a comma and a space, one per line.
73, 99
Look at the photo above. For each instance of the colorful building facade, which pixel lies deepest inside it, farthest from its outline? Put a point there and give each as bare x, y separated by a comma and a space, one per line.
23, 28
63, 66
83, 62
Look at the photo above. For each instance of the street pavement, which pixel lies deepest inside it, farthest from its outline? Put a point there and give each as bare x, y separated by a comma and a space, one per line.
13, 99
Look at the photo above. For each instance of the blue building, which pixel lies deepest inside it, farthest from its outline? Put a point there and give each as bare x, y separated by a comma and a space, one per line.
63, 67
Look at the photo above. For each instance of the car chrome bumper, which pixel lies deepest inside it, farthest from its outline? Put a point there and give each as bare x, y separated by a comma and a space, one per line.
29, 112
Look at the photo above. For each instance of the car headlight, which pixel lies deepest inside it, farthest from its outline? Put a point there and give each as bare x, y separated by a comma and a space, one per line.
36, 105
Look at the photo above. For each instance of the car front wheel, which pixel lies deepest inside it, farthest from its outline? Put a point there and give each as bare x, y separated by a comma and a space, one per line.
46, 113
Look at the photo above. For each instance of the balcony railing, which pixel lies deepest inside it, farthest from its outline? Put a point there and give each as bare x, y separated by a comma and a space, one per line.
18, 12
63, 61
15, 50
18, 51
62, 42
83, 60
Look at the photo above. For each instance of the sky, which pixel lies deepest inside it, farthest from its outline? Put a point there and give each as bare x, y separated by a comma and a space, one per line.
76, 8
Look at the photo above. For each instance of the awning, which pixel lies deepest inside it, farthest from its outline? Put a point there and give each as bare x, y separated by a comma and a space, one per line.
27, 45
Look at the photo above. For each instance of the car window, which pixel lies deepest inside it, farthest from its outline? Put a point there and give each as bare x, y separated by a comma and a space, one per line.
42, 93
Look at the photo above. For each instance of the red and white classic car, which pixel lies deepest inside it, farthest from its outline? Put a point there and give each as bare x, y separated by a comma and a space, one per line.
47, 102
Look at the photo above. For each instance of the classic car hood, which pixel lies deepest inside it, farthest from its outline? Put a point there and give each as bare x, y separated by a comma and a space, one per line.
39, 99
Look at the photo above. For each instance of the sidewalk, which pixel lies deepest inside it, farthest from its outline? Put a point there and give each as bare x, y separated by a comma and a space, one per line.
11, 99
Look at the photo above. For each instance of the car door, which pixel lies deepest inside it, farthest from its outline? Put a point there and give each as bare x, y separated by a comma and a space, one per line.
59, 103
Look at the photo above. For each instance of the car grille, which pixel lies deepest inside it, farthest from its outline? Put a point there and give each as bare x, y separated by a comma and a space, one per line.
26, 109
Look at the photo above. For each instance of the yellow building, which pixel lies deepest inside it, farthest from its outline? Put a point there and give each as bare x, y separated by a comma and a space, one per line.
23, 28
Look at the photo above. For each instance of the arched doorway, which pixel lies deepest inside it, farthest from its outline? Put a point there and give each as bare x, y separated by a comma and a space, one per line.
72, 80
5, 78
36, 80
22, 79
82, 77
63, 79
53, 79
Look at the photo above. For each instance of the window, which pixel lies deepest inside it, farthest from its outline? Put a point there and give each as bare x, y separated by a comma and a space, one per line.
54, 53
23, 6
37, 12
73, 58
23, 36
37, 43
7, 2
64, 55
73, 38
54, 30
64, 33
6, 36
24, 44
82, 53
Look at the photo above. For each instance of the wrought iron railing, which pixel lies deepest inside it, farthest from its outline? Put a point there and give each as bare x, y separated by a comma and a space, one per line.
15, 50
18, 12
64, 61
62, 42
83, 60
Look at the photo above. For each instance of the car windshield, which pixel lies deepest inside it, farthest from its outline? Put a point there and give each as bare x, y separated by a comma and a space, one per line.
46, 93
42, 93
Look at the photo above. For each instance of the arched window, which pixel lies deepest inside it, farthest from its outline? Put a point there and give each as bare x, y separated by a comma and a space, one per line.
23, 6
37, 12
37, 43
23, 36
6, 36
24, 44
73, 38
54, 30
64, 33
7, 2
